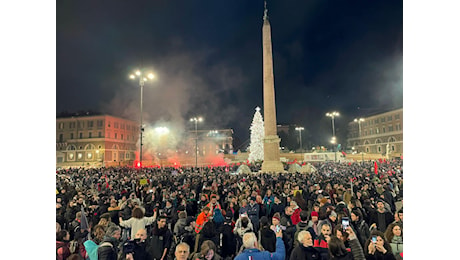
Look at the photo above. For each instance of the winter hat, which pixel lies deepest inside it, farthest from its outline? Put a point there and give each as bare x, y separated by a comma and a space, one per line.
314, 214
252, 198
277, 216
323, 200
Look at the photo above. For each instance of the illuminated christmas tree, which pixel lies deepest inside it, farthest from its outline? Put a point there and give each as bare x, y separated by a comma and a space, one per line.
256, 148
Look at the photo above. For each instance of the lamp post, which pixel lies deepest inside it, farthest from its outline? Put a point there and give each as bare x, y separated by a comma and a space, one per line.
333, 142
300, 135
359, 124
196, 120
142, 79
332, 115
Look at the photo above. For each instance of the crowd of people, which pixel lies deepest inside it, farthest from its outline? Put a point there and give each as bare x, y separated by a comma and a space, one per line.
342, 211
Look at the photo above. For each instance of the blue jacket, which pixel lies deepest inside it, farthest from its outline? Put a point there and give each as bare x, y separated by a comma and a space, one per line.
256, 254
91, 249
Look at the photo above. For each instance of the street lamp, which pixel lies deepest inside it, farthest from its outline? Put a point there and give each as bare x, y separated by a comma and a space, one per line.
300, 135
196, 120
142, 79
359, 124
333, 142
332, 115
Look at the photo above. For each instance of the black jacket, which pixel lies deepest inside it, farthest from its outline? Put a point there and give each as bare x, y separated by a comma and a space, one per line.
228, 240
268, 239
304, 253
107, 249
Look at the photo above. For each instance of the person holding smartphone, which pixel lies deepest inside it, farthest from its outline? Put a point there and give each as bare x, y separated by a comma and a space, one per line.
338, 251
378, 248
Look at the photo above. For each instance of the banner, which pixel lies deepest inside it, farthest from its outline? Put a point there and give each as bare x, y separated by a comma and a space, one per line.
376, 168
143, 181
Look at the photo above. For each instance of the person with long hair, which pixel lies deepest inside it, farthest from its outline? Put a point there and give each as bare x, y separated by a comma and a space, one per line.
338, 251
91, 245
209, 232
394, 236
137, 221
62, 244
208, 251
377, 248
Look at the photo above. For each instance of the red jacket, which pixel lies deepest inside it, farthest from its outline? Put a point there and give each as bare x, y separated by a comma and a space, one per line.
295, 217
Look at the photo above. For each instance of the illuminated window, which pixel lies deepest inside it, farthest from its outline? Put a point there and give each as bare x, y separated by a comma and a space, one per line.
70, 156
89, 155
79, 156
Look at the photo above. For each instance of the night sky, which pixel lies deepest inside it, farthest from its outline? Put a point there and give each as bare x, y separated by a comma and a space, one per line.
343, 56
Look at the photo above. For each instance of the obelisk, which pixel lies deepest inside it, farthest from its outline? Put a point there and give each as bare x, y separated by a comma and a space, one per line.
271, 162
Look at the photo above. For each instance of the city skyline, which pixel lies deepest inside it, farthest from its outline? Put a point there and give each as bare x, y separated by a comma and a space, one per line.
328, 56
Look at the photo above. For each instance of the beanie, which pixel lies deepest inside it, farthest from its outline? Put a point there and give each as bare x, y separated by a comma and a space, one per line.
314, 214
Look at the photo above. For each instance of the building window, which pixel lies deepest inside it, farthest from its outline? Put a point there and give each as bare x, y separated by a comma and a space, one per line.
367, 149
390, 128
81, 135
99, 134
376, 121
398, 127
108, 124
71, 135
100, 123
116, 135
61, 138
370, 131
72, 125
397, 117
377, 130
89, 155
79, 156
390, 118
393, 148
90, 123
121, 136
70, 156
384, 129
61, 125
90, 135
379, 149
115, 125
382, 119
127, 156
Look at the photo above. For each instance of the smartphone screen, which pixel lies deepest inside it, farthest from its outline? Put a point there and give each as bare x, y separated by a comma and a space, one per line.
345, 223
278, 228
374, 239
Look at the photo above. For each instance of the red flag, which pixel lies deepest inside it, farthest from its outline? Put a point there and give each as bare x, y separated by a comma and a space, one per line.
376, 168
344, 154
380, 160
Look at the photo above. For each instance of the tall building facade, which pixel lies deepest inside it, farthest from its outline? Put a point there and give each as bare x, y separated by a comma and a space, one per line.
212, 142
377, 134
95, 141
